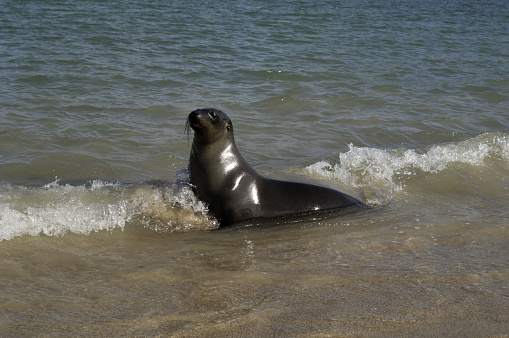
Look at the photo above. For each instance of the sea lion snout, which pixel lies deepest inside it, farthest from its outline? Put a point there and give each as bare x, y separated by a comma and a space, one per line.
202, 119
195, 120
194, 116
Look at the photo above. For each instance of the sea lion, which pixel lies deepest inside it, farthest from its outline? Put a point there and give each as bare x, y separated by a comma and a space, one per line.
234, 191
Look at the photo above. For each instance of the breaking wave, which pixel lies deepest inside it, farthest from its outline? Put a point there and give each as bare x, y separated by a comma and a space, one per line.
390, 170
56, 209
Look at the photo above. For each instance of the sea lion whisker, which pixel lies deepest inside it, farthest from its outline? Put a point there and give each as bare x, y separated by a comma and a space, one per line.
194, 149
187, 127
187, 131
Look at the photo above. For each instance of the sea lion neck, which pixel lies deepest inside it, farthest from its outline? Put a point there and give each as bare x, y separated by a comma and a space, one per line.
203, 144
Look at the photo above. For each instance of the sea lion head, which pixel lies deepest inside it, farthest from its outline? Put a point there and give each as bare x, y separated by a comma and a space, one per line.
210, 126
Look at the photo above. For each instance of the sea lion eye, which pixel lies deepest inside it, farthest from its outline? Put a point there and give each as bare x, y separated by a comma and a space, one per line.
229, 128
213, 115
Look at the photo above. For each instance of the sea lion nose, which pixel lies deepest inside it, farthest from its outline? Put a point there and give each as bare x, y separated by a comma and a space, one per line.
194, 116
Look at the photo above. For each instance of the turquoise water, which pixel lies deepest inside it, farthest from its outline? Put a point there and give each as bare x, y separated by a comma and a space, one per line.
402, 104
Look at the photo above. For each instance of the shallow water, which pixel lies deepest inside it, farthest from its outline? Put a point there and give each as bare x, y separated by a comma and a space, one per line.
401, 104
362, 275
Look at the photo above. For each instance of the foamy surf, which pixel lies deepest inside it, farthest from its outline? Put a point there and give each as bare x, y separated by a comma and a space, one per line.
56, 209
387, 171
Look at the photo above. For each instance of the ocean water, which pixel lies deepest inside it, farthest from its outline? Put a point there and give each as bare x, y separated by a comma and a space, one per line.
402, 104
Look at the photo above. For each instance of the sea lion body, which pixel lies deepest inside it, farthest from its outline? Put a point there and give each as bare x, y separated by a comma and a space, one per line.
234, 191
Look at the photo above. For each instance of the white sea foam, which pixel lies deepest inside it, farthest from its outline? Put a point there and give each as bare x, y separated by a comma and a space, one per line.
56, 209
388, 169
